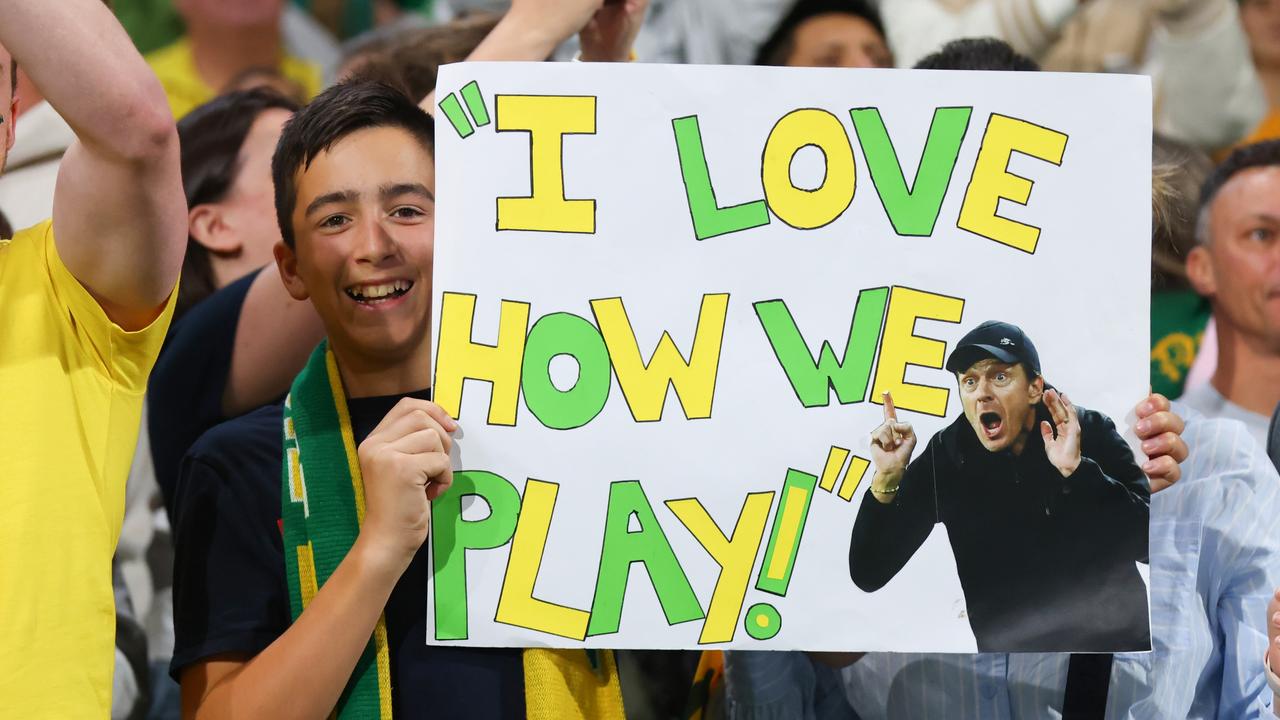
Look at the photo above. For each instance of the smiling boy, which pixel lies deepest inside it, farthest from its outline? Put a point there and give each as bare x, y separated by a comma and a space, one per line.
1045, 508
299, 584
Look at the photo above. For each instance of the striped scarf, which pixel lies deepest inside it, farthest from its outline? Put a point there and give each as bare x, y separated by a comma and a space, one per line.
322, 510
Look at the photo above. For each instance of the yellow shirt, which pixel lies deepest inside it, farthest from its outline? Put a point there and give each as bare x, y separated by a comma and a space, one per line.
176, 68
71, 385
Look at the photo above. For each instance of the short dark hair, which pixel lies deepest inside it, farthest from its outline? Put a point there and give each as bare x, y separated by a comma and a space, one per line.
1258, 155
210, 138
336, 113
977, 54
781, 42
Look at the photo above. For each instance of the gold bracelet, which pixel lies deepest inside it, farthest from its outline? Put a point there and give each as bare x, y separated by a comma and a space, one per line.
887, 491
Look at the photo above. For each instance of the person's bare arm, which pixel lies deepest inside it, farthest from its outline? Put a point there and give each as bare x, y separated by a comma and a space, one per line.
530, 31
533, 29
119, 215
274, 337
405, 464
303, 672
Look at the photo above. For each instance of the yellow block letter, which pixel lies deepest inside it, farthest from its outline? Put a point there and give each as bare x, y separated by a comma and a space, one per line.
645, 385
736, 556
900, 347
992, 181
797, 207
459, 359
547, 119
517, 605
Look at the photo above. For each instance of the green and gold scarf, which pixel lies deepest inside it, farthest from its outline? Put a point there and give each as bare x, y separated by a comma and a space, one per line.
323, 508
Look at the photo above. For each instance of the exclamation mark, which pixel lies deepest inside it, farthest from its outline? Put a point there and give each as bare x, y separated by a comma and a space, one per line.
763, 620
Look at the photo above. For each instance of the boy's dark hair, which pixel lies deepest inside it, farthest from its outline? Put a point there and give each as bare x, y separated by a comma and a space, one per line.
336, 113
1258, 155
977, 54
209, 139
778, 47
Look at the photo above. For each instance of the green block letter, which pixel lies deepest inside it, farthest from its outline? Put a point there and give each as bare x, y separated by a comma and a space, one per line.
812, 381
709, 219
646, 545
913, 211
451, 537
565, 334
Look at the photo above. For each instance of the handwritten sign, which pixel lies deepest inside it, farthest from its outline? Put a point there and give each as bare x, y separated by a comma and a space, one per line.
668, 302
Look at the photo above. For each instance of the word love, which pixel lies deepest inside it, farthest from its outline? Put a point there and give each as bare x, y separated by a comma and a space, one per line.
519, 362
912, 209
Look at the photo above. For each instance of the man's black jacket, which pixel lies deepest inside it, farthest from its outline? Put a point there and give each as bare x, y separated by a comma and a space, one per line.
1046, 562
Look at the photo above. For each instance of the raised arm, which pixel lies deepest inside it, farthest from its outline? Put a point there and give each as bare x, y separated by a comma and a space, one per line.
533, 29
119, 217
898, 511
274, 336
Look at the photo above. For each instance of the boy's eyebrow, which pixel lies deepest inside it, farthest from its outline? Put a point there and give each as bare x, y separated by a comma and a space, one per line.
340, 196
410, 188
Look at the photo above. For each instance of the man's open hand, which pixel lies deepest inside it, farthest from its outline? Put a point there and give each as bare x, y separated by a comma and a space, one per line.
1062, 439
1160, 430
405, 465
891, 446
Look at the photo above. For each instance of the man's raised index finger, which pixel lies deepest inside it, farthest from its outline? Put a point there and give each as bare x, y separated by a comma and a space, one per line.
890, 412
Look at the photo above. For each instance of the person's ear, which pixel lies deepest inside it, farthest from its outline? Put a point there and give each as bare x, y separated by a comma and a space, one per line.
1035, 390
1200, 271
287, 265
208, 226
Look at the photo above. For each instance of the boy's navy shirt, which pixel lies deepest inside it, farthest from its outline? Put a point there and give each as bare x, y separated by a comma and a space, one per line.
230, 594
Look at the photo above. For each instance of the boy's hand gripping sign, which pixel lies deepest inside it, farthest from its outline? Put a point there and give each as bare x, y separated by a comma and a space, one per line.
765, 358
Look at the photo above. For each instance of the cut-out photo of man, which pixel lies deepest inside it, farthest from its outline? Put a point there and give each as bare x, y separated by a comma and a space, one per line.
1045, 508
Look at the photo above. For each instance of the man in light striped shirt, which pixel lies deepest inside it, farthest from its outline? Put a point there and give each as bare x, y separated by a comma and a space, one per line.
1215, 561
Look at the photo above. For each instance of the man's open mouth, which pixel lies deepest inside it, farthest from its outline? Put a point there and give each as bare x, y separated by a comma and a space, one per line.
991, 423
374, 294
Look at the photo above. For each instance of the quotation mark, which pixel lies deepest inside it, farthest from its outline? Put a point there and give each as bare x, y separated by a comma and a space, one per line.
852, 477
452, 109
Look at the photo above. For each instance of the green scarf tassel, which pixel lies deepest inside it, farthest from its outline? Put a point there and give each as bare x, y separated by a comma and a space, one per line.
322, 496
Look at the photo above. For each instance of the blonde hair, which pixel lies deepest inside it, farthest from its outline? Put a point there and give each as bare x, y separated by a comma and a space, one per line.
1177, 172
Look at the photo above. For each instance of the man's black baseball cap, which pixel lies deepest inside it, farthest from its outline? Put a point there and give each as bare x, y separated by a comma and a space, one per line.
994, 339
